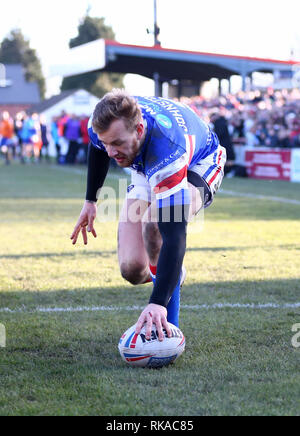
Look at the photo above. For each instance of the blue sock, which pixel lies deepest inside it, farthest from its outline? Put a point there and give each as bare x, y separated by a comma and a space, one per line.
173, 307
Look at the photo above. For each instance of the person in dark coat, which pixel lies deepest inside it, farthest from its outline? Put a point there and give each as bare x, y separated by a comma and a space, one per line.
44, 138
220, 125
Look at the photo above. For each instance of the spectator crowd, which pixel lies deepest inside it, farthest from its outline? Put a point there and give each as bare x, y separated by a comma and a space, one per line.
255, 119
27, 137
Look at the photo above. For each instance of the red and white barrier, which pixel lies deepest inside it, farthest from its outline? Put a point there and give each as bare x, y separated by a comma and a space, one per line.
273, 164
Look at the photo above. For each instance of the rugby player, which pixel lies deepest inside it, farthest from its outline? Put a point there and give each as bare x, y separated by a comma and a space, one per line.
177, 166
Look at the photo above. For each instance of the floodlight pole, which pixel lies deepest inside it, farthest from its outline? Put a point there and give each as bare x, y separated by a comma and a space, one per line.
156, 28
156, 77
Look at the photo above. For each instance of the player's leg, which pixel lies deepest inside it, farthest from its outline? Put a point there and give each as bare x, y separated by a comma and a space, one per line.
133, 257
139, 245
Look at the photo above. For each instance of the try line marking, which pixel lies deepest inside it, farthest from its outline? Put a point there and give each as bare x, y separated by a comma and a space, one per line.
259, 197
221, 191
132, 308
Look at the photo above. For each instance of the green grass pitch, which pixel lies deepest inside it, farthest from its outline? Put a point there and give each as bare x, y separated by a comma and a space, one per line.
239, 360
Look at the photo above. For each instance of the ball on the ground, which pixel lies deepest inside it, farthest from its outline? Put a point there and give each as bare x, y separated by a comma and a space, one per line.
136, 350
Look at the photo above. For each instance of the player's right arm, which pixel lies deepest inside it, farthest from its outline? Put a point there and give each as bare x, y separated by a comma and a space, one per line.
98, 165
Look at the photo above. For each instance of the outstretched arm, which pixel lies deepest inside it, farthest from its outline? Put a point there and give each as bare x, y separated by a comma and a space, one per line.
98, 164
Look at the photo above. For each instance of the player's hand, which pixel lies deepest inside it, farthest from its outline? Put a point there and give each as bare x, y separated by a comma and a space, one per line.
85, 223
154, 314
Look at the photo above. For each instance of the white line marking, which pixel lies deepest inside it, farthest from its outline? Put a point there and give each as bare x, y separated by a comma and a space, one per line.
132, 308
68, 170
259, 197
221, 191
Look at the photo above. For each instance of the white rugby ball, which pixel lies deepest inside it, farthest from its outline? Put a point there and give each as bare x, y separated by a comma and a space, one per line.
136, 350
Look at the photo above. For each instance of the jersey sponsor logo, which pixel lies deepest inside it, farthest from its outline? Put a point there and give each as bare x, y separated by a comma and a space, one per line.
174, 156
164, 121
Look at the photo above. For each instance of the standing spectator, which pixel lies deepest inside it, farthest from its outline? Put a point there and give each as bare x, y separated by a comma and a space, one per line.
237, 125
55, 137
221, 128
73, 135
44, 138
36, 137
64, 144
6, 136
31, 137
25, 137
85, 136
18, 124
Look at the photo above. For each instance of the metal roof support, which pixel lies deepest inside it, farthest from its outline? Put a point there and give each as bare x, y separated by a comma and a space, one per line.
244, 84
220, 86
157, 85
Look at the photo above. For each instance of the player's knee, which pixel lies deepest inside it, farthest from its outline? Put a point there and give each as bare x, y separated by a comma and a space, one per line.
134, 273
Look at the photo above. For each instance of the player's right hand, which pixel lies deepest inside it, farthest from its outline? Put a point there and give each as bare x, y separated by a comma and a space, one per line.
154, 314
85, 223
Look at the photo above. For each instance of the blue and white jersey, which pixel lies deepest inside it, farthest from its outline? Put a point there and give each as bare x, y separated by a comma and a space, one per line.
176, 140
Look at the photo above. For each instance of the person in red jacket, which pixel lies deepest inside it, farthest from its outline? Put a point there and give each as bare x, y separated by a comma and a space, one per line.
84, 121
6, 136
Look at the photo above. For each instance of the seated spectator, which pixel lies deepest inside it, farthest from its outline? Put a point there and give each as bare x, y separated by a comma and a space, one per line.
272, 139
283, 138
295, 133
251, 137
256, 118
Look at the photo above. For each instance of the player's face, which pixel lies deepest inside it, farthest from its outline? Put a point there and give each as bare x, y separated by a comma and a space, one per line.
122, 144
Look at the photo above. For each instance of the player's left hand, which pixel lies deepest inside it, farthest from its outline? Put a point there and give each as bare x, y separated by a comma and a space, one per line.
154, 314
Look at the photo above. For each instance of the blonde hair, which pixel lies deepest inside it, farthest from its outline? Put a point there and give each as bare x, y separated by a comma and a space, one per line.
115, 105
